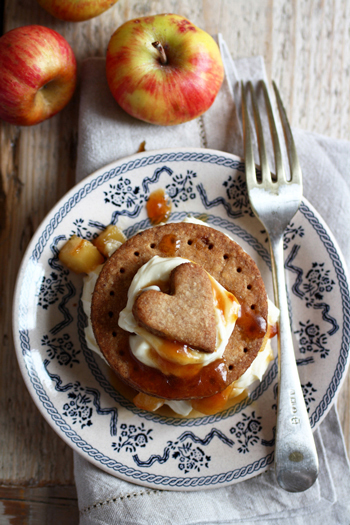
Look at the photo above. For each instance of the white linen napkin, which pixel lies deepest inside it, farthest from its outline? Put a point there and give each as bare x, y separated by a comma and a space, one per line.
107, 133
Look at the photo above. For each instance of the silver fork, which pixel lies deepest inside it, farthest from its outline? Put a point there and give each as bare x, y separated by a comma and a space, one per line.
275, 201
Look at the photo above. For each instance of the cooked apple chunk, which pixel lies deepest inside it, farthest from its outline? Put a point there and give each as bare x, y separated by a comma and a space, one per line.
109, 240
147, 402
80, 255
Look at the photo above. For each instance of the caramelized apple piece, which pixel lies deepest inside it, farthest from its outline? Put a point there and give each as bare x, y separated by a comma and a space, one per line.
80, 255
146, 402
109, 240
213, 404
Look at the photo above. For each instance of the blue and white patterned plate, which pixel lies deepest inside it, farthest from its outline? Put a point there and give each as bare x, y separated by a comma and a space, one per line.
75, 391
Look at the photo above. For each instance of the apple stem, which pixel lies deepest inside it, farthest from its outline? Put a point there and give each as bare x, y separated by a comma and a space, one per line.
160, 49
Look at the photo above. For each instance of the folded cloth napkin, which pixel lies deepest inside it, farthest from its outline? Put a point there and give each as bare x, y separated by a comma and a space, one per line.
107, 133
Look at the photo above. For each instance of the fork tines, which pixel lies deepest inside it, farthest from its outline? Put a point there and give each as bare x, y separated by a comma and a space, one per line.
280, 175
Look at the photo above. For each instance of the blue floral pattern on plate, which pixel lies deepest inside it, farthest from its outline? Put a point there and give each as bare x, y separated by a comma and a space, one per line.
76, 391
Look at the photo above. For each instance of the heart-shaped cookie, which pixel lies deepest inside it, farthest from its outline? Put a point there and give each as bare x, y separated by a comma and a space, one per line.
186, 314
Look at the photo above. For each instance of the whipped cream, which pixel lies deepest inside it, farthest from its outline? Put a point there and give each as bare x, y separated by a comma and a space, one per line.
142, 345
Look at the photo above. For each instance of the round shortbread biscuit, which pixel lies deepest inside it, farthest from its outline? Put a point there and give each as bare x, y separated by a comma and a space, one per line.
224, 260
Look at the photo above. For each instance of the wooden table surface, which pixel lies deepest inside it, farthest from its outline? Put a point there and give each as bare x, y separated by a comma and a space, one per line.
306, 47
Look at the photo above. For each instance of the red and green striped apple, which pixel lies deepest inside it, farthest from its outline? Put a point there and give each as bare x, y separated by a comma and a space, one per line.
76, 10
38, 74
163, 69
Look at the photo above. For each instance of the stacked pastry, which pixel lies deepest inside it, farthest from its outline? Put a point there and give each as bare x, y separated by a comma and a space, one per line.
180, 313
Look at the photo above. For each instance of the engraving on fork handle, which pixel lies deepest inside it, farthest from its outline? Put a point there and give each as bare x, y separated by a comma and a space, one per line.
295, 420
296, 462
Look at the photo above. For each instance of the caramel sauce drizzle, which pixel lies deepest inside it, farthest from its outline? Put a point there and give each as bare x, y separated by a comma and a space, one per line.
213, 404
215, 372
169, 244
176, 352
170, 368
158, 206
273, 330
224, 303
253, 325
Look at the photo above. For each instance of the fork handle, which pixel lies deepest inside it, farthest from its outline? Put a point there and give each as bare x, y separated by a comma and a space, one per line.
296, 462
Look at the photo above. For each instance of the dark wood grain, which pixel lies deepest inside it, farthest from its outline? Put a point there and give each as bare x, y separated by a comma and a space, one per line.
39, 506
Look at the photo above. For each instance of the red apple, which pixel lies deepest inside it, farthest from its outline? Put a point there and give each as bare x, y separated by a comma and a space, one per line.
163, 69
76, 10
38, 74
